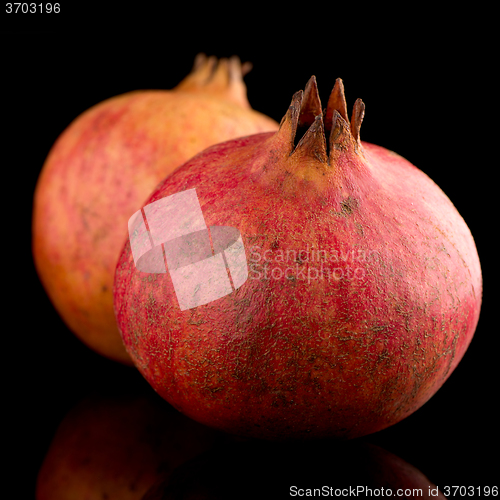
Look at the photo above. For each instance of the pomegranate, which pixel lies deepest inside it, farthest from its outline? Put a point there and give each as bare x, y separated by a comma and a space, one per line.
117, 447
358, 295
104, 165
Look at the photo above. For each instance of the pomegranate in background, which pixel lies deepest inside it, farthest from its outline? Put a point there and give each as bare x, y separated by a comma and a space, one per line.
102, 168
361, 292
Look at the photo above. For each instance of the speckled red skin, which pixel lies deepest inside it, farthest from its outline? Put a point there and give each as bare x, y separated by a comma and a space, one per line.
100, 171
287, 358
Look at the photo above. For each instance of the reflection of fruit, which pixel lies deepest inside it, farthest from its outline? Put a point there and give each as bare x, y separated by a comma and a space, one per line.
363, 293
258, 470
117, 448
101, 169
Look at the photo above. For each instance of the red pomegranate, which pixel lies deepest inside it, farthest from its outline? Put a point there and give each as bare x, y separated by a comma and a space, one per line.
103, 167
360, 293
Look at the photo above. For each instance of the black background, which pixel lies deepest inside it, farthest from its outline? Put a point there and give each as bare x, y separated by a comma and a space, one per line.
426, 83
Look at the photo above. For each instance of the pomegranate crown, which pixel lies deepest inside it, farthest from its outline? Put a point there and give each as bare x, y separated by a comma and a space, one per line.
306, 125
222, 78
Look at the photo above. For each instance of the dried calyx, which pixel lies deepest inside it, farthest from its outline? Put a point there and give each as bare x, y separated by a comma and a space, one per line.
322, 134
222, 78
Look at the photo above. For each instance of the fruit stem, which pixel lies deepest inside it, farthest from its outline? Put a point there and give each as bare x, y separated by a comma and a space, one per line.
221, 78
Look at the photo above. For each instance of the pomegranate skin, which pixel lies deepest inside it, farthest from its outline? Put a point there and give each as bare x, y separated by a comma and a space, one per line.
103, 167
363, 292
